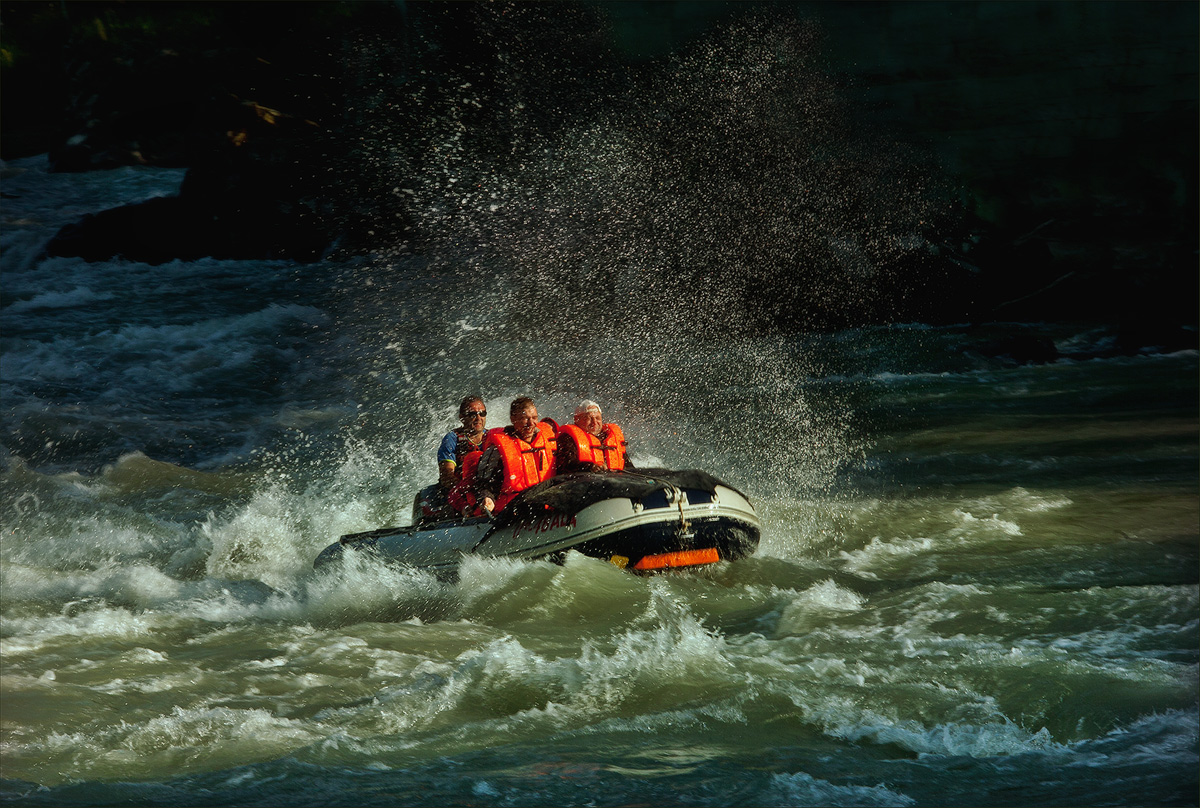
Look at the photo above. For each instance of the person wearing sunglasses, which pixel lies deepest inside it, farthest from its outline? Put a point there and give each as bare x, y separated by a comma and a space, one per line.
589, 444
461, 441
458, 444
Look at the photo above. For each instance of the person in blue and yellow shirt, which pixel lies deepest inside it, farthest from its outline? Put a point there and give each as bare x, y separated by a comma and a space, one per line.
432, 502
461, 441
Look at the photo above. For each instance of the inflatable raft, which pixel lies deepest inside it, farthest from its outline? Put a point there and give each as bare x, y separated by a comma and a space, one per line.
644, 521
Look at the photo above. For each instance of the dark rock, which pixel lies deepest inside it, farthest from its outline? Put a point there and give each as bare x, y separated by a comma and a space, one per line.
1153, 335
1021, 349
172, 228
245, 95
251, 193
154, 232
237, 203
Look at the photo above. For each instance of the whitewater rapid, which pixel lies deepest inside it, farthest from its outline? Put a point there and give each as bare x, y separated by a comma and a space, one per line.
976, 585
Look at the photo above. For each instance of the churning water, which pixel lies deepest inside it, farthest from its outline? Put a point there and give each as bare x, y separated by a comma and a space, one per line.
977, 583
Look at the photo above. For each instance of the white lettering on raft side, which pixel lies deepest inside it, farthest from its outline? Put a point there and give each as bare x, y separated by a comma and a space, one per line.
543, 524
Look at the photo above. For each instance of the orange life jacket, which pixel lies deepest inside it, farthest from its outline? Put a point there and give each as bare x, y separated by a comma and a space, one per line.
525, 464
462, 495
607, 451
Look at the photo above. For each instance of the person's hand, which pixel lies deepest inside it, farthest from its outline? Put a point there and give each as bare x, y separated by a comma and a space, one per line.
489, 505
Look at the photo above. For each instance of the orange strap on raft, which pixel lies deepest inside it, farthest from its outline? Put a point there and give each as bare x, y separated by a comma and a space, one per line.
682, 558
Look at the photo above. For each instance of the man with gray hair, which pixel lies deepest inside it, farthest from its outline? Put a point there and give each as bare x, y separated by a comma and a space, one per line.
590, 444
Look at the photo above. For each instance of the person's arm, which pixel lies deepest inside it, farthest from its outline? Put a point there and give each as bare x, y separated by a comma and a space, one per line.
446, 456
566, 457
487, 478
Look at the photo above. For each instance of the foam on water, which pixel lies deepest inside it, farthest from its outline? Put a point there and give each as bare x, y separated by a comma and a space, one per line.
972, 575
163, 359
79, 296
812, 607
804, 789
181, 741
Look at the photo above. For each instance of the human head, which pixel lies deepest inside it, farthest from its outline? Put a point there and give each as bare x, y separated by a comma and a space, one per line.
467, 411
524, 417
588, 417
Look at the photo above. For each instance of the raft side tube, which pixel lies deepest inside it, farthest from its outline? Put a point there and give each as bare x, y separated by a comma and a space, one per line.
681, 516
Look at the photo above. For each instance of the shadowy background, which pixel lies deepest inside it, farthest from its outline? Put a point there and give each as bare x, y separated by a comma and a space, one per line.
866, 162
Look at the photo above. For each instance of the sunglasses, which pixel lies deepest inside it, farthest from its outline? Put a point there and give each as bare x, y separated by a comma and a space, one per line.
480, 413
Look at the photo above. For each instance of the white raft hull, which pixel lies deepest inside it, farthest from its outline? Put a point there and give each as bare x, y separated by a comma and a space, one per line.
643, 521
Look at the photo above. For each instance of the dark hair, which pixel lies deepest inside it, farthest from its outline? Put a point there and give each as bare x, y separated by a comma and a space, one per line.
462, 405
519, 405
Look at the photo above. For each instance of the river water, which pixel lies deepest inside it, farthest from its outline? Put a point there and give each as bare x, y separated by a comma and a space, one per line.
977, 583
